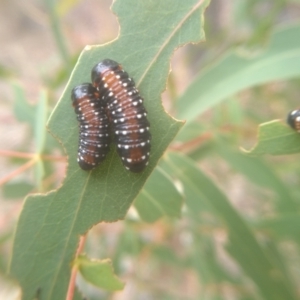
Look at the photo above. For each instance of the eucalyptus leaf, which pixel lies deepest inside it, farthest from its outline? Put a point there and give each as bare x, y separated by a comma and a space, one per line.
49, 225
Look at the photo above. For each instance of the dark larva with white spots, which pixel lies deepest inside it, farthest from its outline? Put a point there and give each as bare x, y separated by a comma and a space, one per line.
293, 119
94, 136
127, 114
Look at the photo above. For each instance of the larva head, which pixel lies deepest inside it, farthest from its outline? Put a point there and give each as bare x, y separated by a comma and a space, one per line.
102, 67
80, 91
293, 119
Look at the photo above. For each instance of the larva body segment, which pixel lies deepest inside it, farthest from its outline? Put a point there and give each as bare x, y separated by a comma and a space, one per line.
94, 135
127, 114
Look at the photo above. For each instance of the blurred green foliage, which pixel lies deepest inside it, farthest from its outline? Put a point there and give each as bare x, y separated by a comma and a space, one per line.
237, 236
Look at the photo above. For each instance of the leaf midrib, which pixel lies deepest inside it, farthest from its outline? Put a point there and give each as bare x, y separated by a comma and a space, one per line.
56, 275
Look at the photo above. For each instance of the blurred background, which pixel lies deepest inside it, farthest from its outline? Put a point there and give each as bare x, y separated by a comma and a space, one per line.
40, 43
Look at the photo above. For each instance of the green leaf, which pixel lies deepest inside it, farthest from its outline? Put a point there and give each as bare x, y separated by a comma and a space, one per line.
276, 138
23, 111
16, 189
40, 122
242, 244
49, 226
233, 73
41, 115
99, 273
260, 173
159, 197
282, 227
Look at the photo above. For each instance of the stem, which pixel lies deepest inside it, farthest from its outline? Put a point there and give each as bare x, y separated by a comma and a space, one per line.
31, 155
187, 146
56, 28
18, 171
72, 283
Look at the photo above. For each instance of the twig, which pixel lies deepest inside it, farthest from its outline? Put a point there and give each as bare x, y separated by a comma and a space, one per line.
31, 155
72, 283
191, 144
18, 171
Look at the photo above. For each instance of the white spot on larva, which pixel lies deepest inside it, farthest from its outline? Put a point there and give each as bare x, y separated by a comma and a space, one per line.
119, 109
124, 132
127, 168
138, 116
129, 160
86, 134
99, 146
119, 146
145, 114
115, 102
96, 113
135, 103
142, 144
142, 130
126, 147
148, 153
129, 93
147, 128
86, 126
125, 84
141, 100
105, 85
115, 121
81, 158
122, 120
92, 104
79, 108
143, 157
97, 155
103, 78
110, 94
117, 132
103, 97
112, 72
78, 159
148, 141
113, 112
123, 158
129, 79
118, 76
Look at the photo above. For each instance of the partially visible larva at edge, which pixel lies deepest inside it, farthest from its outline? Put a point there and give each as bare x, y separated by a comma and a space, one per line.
293, 119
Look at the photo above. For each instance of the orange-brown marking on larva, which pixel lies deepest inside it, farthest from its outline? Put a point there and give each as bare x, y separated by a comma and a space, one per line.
127, 114
114, 85
87, 111
94, 137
